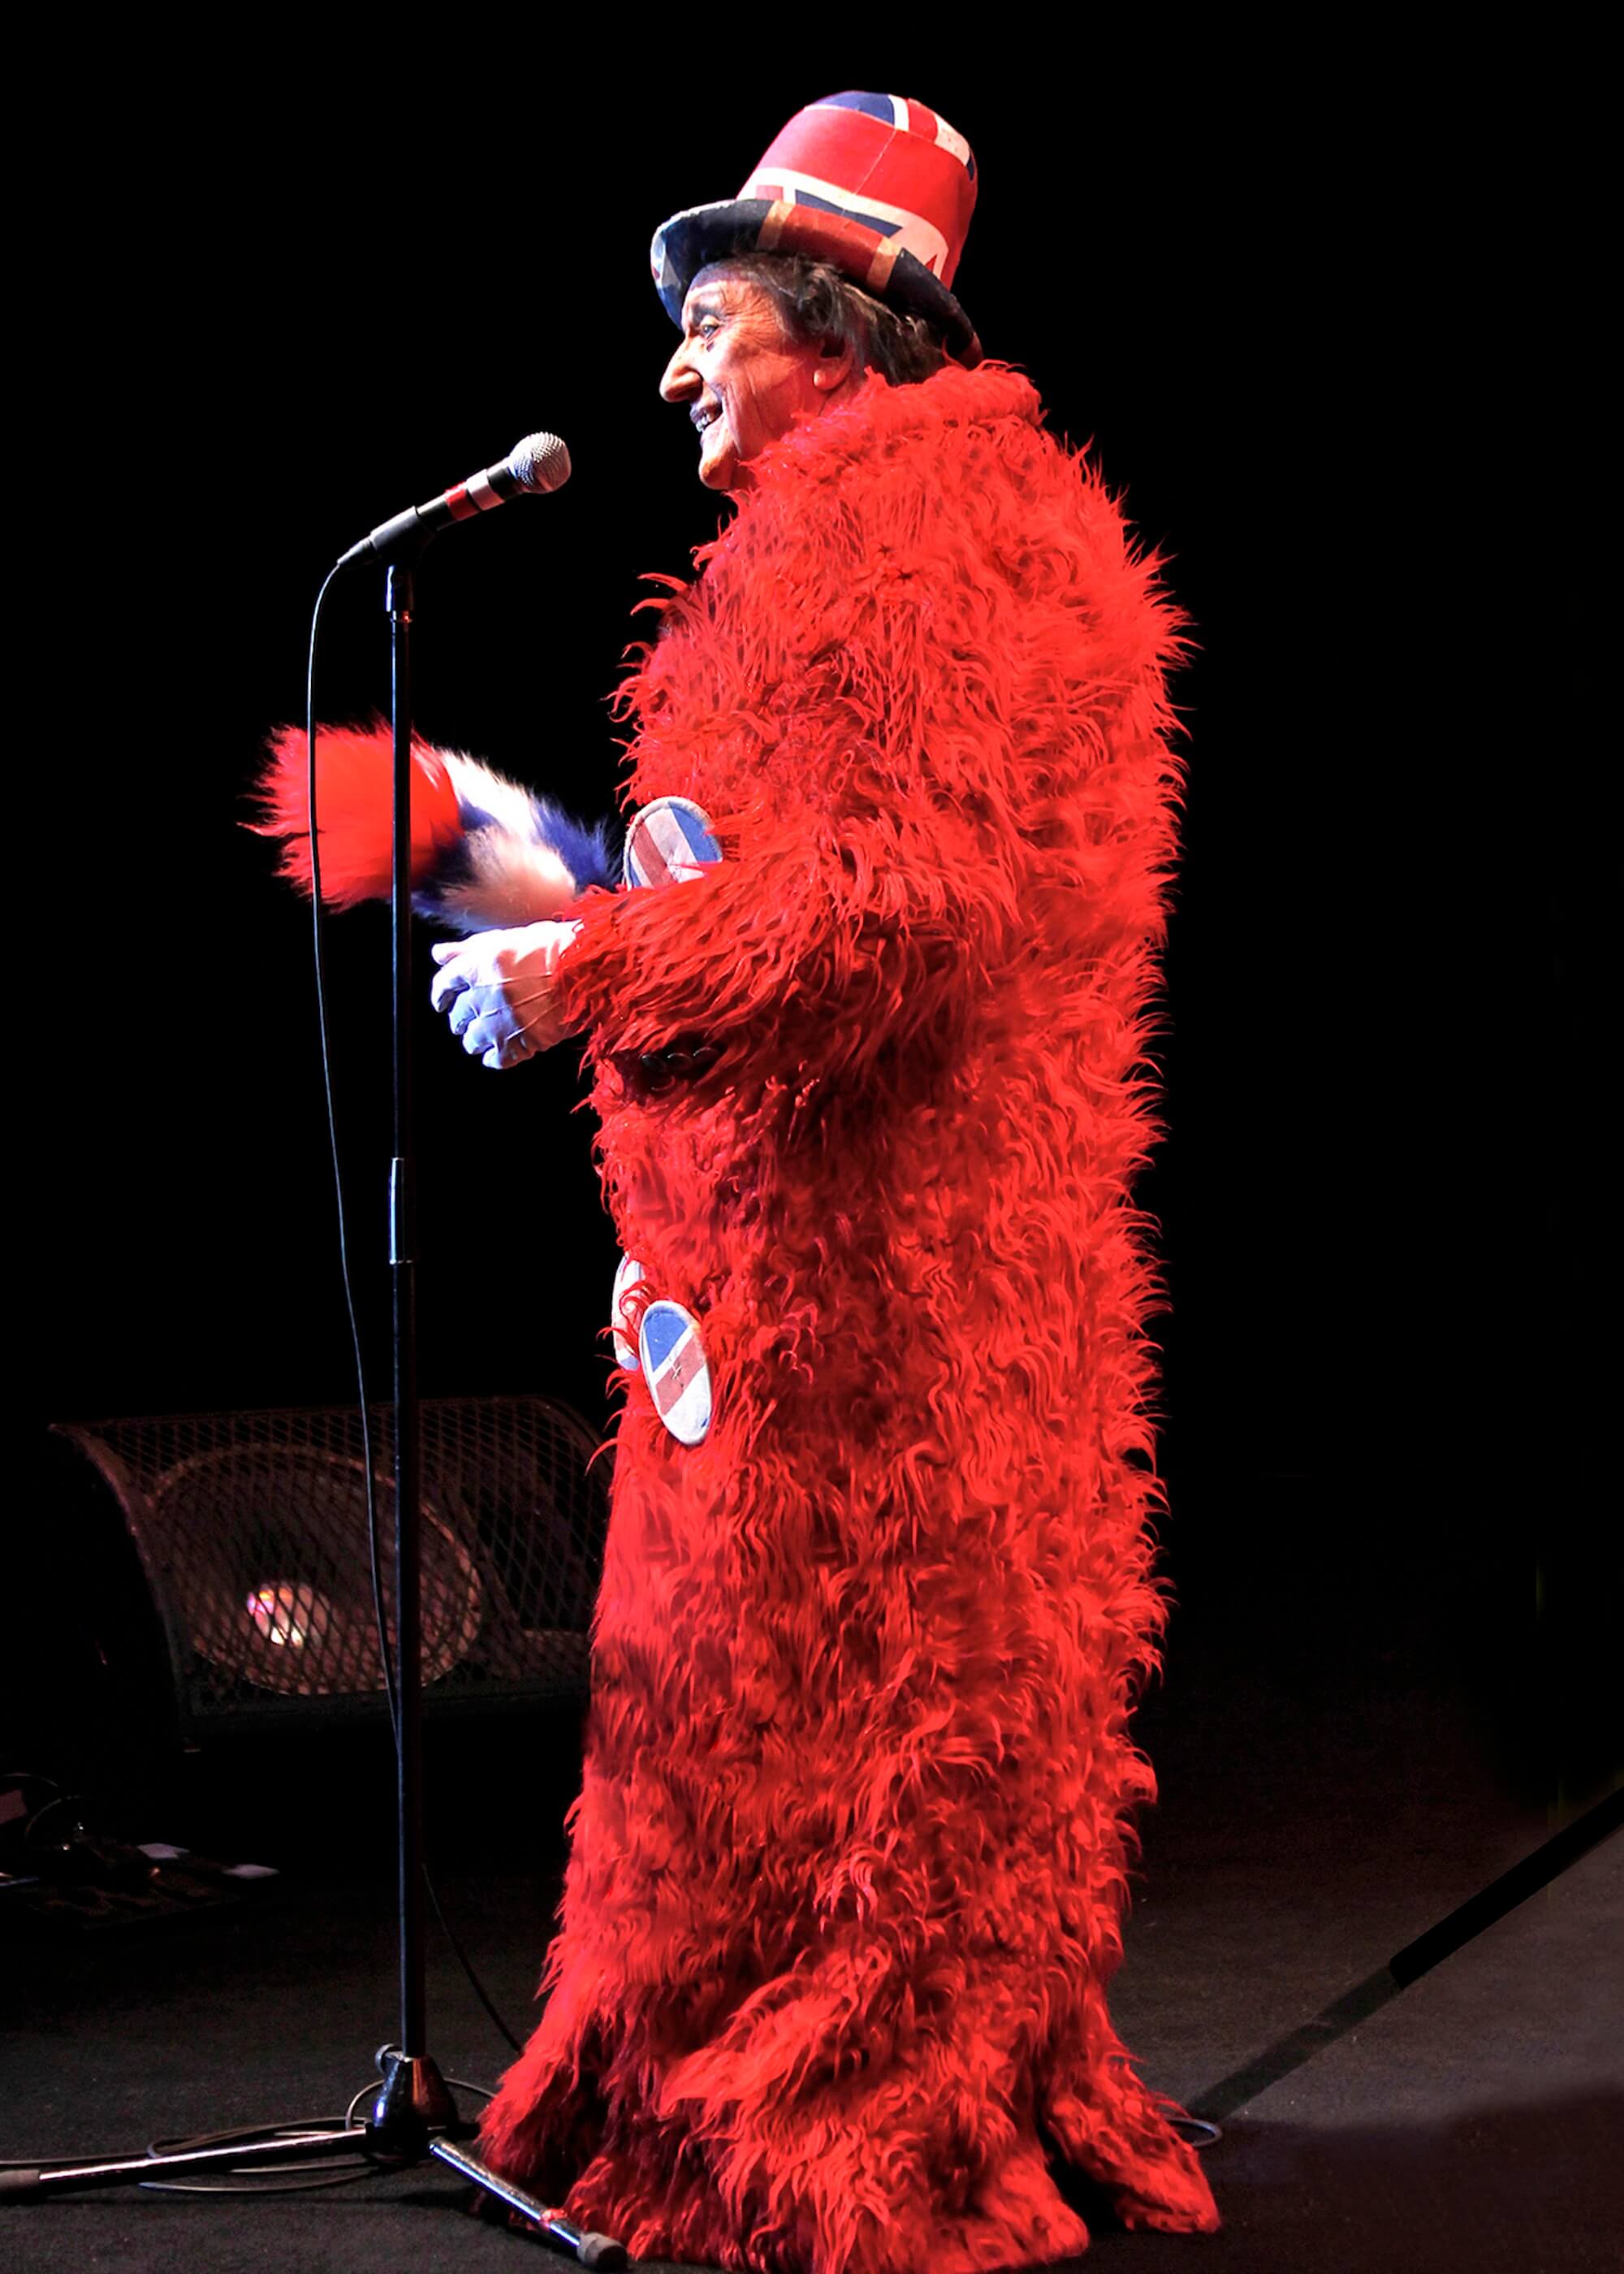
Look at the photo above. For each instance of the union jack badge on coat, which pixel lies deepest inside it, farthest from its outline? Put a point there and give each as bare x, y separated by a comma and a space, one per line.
669, 839
674, 1366
620, 1327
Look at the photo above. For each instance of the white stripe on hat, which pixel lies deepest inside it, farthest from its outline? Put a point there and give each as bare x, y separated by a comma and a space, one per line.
948, 137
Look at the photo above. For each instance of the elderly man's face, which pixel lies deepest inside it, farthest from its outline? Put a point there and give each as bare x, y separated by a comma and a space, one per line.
741, 377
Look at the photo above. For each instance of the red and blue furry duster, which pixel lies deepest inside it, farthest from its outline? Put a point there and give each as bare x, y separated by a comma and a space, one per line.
829, 1992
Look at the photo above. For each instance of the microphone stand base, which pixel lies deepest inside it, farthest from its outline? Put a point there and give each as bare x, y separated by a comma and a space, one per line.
414, 2104
597, 2251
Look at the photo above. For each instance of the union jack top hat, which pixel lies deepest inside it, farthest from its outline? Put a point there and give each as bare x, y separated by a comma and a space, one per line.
875, 185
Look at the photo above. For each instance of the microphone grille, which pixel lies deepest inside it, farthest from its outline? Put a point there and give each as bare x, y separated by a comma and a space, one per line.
540, 461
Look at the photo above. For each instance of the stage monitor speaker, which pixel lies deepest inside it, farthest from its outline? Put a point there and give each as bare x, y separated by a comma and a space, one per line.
250, 1530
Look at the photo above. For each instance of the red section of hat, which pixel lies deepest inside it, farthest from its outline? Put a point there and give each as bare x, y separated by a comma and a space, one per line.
871, 159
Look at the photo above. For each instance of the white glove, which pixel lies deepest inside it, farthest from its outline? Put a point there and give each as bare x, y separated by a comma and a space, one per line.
500, 989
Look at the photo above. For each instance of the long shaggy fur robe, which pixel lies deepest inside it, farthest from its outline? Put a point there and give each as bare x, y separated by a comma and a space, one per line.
848, 1866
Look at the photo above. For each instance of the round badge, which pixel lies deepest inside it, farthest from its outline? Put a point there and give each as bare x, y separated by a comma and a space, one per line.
674, 1366
620, 1326
668, 840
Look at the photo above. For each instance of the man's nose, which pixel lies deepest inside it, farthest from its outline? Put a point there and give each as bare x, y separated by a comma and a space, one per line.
681, 380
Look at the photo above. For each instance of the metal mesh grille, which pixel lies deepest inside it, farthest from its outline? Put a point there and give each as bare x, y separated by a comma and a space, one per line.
252, 1528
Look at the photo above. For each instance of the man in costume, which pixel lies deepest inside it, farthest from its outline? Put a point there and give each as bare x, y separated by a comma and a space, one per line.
867, 1030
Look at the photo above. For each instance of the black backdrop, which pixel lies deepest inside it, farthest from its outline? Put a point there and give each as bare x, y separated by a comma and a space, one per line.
1275, 323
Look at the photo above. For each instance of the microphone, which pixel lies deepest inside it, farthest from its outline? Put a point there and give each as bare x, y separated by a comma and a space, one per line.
538, 463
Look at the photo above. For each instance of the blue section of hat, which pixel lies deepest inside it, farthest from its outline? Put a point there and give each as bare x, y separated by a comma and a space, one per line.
877, 106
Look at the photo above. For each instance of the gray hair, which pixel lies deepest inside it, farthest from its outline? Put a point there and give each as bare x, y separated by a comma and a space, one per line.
820, 307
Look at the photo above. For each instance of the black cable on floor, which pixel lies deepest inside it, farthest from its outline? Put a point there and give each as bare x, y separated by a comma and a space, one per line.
1416, 1958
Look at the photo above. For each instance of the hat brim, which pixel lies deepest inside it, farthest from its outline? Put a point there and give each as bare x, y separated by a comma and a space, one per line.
693, 240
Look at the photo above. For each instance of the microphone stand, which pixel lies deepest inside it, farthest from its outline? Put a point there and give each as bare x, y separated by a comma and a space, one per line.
413, 2116
414, 2102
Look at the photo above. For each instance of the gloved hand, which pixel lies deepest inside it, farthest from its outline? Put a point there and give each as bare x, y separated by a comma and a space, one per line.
499, 988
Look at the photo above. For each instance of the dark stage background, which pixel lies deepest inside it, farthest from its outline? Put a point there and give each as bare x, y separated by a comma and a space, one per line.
1379, 1168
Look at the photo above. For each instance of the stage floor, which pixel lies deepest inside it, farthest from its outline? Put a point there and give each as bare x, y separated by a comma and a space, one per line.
1474, 2122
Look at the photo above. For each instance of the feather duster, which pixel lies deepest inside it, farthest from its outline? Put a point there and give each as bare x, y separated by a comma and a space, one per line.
485, 852
828, 1993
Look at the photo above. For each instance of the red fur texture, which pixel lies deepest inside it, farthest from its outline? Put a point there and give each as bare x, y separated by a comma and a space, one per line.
848, 1865
354, 767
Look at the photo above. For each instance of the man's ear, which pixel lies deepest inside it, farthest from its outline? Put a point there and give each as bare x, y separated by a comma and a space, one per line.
836, 362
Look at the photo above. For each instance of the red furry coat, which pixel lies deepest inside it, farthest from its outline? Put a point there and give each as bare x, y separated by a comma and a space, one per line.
847, 1867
